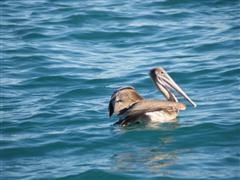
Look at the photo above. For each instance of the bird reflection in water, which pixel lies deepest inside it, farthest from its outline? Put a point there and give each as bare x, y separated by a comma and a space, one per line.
154, 158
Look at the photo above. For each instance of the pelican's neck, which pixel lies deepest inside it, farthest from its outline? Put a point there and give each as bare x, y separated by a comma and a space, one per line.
167, 93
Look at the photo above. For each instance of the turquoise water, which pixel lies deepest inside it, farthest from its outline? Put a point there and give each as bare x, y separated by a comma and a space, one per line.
61, 61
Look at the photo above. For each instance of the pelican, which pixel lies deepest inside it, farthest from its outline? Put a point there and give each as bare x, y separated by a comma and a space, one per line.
131, 108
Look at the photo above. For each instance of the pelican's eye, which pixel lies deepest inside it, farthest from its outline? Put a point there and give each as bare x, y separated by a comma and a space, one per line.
161, 73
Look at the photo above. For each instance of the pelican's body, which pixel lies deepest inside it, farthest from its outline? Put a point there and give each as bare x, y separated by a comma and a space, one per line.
131, 108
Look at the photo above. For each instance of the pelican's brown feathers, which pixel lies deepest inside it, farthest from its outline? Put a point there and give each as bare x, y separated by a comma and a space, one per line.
123, 98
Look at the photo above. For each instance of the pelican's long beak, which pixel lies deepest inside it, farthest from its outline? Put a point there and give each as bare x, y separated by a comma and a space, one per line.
164, 81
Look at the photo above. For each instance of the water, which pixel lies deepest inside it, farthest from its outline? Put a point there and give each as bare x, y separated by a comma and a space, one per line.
61, 61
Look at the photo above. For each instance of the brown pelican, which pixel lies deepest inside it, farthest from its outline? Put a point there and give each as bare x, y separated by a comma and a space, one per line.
132, 108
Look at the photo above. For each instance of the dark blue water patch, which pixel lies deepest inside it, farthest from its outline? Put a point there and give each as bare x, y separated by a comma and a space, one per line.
79, 93
22, 51
33, 36
186, 3
13, 127
50, 81
86, 17
97, 173
233, 29
38, 148
78, 19
98, 35
211, 131
222, 3
233, 161
231, 72
212, 46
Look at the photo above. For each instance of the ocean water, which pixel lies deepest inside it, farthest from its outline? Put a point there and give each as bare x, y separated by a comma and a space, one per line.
61, 61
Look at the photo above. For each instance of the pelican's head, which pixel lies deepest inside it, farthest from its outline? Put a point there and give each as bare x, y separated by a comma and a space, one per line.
165, 84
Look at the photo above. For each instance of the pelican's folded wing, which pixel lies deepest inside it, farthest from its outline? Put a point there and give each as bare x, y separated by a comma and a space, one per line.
153, 105
140, 108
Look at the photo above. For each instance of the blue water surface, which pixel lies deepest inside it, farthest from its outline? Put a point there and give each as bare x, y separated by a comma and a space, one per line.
61, 61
